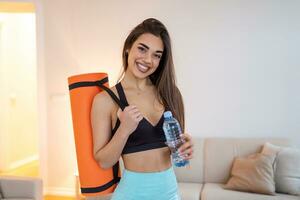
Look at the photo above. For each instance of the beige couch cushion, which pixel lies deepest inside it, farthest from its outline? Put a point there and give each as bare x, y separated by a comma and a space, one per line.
287, 174
212, 191
287, 168
219, 154
270, 149
253, 174
189, 191
194, 172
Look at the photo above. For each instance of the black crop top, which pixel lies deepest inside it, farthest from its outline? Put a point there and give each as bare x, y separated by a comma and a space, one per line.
146, 136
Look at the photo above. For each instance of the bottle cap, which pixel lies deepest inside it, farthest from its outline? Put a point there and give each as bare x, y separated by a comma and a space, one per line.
168, 114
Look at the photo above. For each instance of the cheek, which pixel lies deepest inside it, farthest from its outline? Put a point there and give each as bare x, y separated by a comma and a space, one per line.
133, 56
156, 63
131, 60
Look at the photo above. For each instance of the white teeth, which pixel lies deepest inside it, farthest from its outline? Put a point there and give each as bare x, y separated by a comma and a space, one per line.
142, 68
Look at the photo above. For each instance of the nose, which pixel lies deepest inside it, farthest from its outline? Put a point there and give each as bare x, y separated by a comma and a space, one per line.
147, 58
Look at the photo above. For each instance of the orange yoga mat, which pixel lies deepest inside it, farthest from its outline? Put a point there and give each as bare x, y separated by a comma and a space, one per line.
93, 179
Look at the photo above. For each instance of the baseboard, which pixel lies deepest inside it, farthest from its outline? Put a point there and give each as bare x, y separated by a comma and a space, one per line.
59, 191
20, 163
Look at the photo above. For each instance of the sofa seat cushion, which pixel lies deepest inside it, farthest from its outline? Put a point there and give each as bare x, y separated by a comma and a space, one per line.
213, 191
189, 191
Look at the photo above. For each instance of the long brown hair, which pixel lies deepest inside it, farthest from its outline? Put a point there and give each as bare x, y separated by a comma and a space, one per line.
164, 76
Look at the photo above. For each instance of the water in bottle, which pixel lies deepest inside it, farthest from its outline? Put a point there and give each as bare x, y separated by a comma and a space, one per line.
172, 132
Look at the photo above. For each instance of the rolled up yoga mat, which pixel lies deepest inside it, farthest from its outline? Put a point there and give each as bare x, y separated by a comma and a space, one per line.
93, 179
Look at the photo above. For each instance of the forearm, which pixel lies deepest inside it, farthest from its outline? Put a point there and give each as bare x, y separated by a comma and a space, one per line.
111, 152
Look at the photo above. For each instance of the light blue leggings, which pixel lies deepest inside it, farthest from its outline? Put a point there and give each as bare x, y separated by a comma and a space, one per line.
147, 186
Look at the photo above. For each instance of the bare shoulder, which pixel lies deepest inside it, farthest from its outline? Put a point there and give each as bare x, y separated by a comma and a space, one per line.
103, 101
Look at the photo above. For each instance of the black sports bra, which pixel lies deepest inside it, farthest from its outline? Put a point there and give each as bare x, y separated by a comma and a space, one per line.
146, 136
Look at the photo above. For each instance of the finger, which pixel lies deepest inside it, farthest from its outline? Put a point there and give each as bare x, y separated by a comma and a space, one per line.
134, 112
187, 152
137, 117
189, 157
140, 117
185, 145
185, 136
130, 107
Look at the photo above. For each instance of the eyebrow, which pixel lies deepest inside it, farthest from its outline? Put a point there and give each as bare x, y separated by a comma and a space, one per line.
158, 51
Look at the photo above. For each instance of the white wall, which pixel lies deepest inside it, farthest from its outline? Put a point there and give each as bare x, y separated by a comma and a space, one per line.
242, 58
235, 60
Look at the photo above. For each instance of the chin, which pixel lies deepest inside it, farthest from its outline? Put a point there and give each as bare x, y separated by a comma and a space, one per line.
141, 75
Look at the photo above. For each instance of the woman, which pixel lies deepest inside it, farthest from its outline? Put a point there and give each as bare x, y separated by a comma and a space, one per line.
135, 133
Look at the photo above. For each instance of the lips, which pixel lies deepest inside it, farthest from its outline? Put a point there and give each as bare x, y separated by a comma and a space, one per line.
142, 68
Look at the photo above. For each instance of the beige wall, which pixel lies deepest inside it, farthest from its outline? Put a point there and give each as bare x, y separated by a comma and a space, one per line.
18, 123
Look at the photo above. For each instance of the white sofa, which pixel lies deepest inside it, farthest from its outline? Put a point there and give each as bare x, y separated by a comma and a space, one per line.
20, 188
210, 169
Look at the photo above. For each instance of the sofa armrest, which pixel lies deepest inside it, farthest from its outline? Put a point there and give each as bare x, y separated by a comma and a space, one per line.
21, 187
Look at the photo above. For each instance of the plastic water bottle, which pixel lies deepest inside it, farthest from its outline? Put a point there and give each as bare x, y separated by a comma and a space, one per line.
172, 132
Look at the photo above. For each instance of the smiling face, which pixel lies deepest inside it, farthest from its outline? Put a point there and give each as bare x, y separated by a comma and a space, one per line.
145, 55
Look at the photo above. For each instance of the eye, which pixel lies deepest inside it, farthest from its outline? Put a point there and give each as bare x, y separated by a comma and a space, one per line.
157, 56
142, 49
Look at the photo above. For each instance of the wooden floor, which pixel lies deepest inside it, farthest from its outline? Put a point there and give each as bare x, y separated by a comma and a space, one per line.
32, 170
58, 198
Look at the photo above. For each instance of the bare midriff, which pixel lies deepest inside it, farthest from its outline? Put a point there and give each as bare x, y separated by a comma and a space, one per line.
153, 160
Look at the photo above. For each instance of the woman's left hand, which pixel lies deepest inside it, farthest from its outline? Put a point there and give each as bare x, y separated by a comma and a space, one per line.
187, 148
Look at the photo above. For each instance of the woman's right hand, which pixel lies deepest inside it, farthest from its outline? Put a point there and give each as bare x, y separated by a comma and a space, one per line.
129, 118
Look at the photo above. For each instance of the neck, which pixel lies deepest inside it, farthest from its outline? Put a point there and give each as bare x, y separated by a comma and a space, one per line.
132, 82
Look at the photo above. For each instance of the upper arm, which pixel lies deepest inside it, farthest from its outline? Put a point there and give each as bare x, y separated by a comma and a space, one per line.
101, 120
